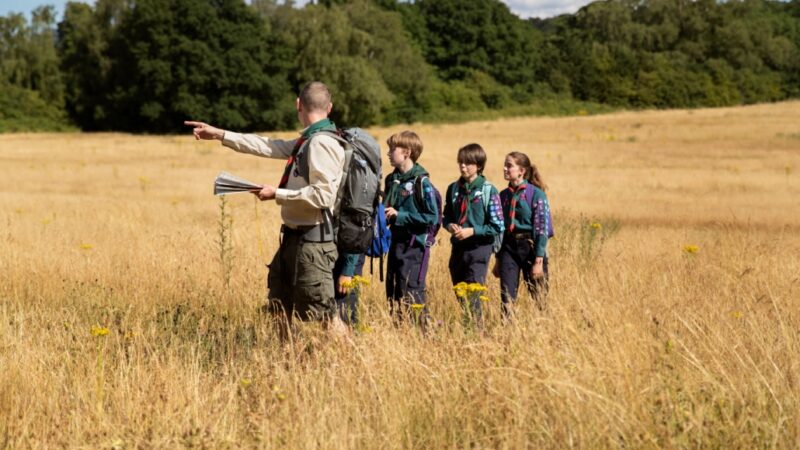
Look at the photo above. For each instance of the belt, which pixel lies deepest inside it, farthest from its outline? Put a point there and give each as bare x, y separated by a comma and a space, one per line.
310, 233
519, 235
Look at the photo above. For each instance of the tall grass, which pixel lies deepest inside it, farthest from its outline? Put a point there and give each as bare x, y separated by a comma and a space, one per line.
644, 343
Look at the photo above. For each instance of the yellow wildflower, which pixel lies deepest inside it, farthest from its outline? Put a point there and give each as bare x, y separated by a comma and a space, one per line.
362, 281
356, 282
484, 298
417, 306
86, 246
691, 249
475, 288
737, 314
246, 382
364, 328
99, 331
460, 289
277, 391
597, 225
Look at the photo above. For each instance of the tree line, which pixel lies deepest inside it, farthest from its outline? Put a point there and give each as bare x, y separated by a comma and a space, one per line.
146, 65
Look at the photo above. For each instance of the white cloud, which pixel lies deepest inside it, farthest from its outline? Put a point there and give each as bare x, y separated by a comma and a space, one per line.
544, 8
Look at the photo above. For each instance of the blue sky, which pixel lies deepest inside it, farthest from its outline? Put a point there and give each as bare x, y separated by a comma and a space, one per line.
523, 8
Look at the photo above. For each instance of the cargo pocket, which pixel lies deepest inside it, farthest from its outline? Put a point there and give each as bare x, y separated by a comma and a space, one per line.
313, 293
315, 301
314, 263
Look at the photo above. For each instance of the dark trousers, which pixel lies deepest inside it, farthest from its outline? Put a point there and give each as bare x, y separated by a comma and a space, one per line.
470, 263
346, 304
514, 257
406, 270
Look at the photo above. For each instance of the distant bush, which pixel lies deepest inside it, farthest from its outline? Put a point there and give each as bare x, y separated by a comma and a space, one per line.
24, 110
547, 106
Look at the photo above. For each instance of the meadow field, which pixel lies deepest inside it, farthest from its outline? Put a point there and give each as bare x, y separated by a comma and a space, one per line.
129, 303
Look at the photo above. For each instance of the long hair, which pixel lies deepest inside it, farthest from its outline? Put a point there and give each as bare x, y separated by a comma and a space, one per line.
531, 172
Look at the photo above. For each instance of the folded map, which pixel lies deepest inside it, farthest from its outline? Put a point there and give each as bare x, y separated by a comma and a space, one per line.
231, 184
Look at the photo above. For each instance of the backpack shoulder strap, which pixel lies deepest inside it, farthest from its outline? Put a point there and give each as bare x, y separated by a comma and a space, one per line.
487, 195
336, 135
327, 214
530, 190
419, 192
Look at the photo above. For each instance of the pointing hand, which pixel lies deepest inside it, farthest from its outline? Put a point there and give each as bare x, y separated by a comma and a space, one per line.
205, 131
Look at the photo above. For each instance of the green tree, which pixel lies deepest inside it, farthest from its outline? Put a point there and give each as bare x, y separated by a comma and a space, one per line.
480, 35
176, 59
28, 56
83, 37
363, 53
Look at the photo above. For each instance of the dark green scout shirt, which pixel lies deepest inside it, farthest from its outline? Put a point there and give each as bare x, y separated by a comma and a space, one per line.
486, 225
526, 219
412, 219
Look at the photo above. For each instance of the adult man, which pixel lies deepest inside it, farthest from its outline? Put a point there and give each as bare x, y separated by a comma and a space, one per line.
300, 274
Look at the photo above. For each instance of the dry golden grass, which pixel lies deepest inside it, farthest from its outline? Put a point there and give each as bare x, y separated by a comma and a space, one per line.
647, 342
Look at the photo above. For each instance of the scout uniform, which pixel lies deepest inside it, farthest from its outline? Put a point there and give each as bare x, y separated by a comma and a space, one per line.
527, 218
407, 262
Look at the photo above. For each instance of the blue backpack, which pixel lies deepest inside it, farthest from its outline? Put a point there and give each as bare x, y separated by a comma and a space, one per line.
381, 238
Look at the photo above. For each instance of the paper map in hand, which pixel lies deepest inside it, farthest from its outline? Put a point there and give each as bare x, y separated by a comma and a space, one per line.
231, 184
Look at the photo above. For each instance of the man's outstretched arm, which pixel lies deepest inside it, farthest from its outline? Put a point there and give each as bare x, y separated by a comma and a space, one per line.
205, 131
243, 143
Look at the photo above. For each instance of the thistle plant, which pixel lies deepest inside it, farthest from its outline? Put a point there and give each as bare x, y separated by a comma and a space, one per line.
225, 241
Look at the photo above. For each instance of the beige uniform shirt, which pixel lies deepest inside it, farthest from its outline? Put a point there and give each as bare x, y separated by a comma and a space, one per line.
301, 202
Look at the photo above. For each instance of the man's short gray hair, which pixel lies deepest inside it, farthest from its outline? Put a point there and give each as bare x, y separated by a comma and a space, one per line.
315, 96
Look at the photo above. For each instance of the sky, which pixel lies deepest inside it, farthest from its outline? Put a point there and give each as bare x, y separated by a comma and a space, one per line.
523, 8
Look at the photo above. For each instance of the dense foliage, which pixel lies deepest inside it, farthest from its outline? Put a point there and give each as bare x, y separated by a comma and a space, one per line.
146, 65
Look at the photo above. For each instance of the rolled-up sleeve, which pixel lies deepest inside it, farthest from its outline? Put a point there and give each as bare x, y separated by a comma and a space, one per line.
325, 170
